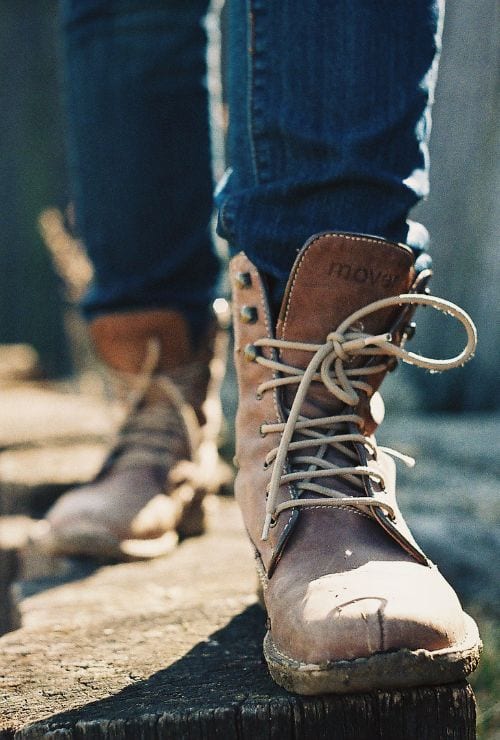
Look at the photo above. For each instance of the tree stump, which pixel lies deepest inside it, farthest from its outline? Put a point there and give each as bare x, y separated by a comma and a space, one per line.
173, 649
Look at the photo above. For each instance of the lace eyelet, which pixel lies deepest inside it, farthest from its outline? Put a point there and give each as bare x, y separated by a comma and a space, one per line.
259, 396
243, 279
250, 353
262, 433
248, 314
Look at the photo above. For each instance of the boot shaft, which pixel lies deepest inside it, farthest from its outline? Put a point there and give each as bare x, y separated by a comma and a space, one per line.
333, 276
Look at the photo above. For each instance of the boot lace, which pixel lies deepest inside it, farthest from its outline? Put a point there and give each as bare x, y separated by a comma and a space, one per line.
155, 432
328, 366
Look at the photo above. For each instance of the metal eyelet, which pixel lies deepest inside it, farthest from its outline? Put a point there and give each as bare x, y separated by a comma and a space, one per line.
262, 434
243, 279
248, 314
250, 353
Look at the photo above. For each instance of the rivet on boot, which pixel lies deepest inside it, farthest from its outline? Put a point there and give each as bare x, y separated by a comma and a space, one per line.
248, 314
250, 353
243, 280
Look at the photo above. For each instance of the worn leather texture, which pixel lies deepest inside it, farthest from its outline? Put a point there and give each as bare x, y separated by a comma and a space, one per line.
121, 342
149, 484
337, 585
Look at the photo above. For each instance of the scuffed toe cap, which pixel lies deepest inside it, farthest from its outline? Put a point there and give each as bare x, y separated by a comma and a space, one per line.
378, 607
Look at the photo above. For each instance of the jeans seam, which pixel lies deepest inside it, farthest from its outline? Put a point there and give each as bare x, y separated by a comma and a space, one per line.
250, 81
226, 218
256, 67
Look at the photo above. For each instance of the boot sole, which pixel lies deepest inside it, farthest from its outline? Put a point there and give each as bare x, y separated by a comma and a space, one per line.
104, 547
107, 549
391, 670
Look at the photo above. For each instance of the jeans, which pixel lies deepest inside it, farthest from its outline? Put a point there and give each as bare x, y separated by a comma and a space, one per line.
139, 152
329, 123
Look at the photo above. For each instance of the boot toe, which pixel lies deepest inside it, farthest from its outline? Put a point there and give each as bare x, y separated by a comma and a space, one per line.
379, 607
95, 519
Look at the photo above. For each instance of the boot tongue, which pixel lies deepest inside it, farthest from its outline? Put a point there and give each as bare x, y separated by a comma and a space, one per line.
333, 276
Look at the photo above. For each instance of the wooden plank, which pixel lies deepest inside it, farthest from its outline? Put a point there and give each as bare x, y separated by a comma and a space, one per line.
18, 363
51, 438
32, 478
172, 649
37, 413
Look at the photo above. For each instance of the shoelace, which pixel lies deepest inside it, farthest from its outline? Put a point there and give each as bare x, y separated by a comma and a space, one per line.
328, 365
147, 434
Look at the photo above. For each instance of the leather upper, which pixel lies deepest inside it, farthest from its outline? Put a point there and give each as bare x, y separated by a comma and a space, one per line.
338, 583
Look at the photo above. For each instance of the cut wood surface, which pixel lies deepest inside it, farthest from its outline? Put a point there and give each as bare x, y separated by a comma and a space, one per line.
18, 363
33, 413
172, 649
31, 478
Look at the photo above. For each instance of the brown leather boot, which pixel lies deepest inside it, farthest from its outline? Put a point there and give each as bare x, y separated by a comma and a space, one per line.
165, 458
353, 604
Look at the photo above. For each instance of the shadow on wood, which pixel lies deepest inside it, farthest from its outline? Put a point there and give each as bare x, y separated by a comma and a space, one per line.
221, 688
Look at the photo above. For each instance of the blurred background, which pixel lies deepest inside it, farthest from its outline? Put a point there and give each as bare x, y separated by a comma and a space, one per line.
463, 213
452, 499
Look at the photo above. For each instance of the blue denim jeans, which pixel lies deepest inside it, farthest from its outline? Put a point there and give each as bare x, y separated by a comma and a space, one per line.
329, 123
139, 152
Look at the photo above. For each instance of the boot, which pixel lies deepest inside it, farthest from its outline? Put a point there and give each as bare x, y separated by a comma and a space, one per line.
151, 487
353, 603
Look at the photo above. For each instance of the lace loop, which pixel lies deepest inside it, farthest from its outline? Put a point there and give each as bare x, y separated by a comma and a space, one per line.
151, 433
328, 365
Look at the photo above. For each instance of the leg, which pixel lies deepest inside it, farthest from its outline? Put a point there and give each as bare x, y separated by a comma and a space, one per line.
330, 122
332, 103
140, 160
139, 152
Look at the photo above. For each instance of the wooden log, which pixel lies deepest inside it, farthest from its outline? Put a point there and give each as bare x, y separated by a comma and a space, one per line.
50, 440
32, 478
37, 413
172, 649
18, 363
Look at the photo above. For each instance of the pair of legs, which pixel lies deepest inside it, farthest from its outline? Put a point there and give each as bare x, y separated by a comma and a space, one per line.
329, 118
